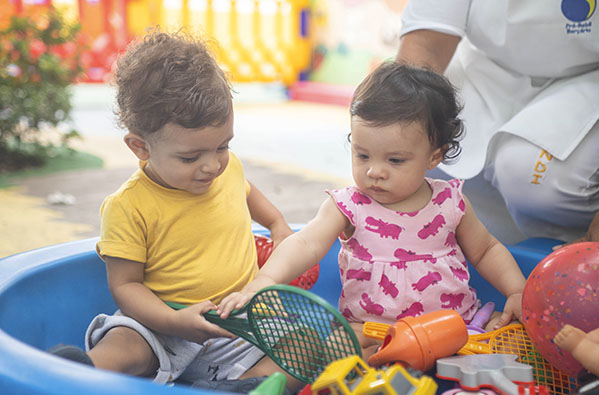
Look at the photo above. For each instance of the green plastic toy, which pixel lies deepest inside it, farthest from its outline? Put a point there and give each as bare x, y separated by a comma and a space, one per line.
273, 385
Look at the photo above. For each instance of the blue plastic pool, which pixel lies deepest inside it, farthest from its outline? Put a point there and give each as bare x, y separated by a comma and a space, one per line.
49, 296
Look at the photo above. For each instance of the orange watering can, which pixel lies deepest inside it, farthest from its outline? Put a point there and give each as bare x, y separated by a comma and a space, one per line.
419, 341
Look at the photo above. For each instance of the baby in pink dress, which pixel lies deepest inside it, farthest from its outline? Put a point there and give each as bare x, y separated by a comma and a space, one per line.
405, 237
399, 264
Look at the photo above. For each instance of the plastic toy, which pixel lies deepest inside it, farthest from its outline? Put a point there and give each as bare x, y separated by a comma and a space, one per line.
460, 391
477, 324
562, 289
588, 384
511, 339
273, 385
264, 246
293, 327
420, 341
352, 375
498, 371
379, 331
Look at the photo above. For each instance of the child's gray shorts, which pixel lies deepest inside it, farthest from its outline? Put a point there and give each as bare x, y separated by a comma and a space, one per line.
216, 359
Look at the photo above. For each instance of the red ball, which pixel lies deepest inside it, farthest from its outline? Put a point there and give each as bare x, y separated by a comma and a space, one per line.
562, 289
264, 246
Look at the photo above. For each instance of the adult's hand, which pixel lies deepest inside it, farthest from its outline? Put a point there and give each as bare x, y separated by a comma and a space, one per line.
427, 48
591, 235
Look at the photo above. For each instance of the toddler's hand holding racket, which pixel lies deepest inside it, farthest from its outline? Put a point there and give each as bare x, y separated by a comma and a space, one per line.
191, 324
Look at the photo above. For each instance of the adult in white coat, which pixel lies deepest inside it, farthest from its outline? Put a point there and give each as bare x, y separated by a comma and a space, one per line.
528, 74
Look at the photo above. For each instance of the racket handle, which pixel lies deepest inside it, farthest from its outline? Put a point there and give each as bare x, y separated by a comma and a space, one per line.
375, 330
235, 325
470, 348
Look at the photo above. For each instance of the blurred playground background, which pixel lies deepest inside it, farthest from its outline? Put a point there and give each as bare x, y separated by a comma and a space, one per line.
292, 42
294, 65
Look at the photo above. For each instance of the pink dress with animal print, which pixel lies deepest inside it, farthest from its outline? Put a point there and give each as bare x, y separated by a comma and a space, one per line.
400, 264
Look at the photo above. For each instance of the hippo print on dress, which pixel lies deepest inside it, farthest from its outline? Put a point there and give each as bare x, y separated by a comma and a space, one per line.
410, 256
460, 273
370, 307
348, 314
432, 228
452, 301
414, 310
360, 198
442, 196
359, 251
345, 211
431, 278
388, 286
360, 275
398, 264
451, 241
384, 229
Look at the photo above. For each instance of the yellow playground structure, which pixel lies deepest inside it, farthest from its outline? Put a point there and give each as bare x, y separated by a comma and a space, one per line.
257, 40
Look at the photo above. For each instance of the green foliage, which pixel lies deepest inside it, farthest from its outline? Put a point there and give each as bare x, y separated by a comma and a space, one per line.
62, 159
39, 60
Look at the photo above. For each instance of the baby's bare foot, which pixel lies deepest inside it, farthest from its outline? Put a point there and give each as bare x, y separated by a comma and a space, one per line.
593, 335
569, 337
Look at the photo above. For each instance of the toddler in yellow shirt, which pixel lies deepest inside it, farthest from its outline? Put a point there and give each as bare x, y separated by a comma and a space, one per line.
179, 230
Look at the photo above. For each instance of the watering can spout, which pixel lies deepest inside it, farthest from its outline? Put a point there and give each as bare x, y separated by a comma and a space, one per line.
419, 341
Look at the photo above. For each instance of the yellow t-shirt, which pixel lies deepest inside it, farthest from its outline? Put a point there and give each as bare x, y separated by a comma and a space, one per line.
193, 247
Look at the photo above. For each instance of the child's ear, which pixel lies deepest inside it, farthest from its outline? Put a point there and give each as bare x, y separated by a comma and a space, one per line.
437, 157
138, 145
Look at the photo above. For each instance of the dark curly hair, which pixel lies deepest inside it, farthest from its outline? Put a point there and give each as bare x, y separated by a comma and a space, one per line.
170, 78
398, 93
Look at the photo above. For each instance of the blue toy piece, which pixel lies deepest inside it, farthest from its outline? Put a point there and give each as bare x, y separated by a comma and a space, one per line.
49, 296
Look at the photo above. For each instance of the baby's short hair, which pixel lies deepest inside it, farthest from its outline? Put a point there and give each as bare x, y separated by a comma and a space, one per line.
170, 78
398, 93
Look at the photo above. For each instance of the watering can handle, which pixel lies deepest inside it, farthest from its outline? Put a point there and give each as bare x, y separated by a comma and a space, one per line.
375, 330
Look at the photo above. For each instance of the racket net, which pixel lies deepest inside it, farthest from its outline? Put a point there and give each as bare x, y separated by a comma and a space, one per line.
301, 333
513, 339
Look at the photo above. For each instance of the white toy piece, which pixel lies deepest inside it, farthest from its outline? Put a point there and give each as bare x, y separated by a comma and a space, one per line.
497, 371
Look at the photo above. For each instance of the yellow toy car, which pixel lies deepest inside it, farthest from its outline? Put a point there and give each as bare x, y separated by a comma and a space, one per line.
352, 376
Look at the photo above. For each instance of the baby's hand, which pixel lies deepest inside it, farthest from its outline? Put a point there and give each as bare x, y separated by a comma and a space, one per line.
511, 310
233, 301
190, 324
237, 300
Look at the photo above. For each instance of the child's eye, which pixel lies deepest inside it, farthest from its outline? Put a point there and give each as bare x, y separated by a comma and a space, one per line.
189, 160
362, 156
223, 148
396, 161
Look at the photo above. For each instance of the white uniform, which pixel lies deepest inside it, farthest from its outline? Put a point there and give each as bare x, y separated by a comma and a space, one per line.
528, 74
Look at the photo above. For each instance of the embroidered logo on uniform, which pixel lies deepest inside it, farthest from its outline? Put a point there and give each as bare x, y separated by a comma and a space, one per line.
579, 12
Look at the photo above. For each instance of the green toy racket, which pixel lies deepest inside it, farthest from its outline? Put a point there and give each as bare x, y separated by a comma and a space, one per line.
297, 329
